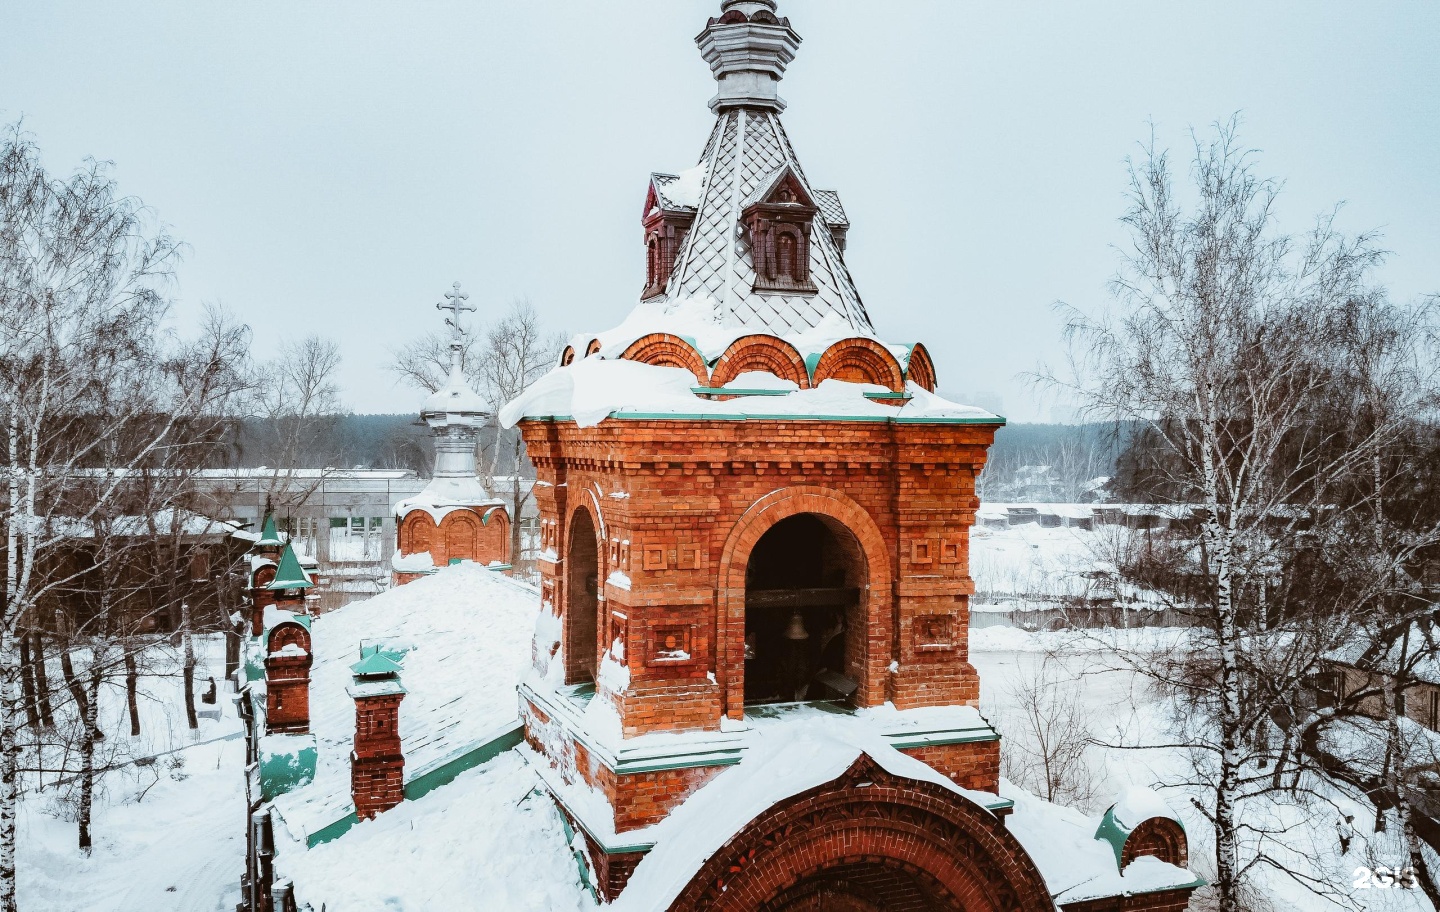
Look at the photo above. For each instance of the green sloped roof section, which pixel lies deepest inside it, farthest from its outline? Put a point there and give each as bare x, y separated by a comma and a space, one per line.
269, 535
1113, 832
290, 575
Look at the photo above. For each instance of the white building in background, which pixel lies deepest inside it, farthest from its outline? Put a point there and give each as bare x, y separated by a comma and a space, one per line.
341, 519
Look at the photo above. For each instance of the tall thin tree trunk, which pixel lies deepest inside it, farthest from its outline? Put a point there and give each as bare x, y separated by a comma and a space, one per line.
188, 643
9, 766
27, 684
89, 734
67, 670
42, 679
132, 681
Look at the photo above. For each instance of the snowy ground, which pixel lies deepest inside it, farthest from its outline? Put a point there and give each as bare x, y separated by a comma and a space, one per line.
1122, 711
169, 834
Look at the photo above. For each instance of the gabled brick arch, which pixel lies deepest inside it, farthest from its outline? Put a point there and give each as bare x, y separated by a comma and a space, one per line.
666, 350
921, 369
1157, 836
760, 353
289, 633
860, 360
837, 510
912, 839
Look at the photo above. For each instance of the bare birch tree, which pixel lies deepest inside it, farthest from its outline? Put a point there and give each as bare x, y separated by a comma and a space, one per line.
1222, 346
84, 276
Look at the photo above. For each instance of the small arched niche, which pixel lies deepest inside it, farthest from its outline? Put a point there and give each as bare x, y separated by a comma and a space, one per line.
582, 599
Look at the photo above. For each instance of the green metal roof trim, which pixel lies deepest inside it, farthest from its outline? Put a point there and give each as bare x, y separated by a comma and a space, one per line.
285, 771
433, 777
723, 391
290, 574
846, 419
1112, 832
269, 535
447, 768
812, 361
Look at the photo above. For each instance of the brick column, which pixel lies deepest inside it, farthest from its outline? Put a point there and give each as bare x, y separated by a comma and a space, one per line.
287, 678
377, 765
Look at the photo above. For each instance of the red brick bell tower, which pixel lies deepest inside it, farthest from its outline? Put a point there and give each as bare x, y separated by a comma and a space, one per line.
755, 519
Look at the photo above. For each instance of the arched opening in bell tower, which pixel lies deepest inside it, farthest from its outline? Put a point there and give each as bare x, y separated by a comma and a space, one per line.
582, 602
804, 612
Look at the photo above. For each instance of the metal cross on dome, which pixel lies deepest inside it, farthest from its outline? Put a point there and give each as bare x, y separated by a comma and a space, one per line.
455, 302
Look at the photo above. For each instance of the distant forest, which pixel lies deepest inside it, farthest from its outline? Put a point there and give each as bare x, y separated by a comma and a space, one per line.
1029, 462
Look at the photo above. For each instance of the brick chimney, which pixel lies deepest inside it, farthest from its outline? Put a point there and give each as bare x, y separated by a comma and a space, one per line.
287, 677
377, 766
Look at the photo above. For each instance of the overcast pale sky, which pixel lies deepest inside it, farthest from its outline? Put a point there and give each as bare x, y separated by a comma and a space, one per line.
336, 166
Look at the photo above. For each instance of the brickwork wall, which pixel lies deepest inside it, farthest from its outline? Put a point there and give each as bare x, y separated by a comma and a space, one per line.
679, 504
377, 766
287, 680
261, 598
463, 534
975, 765
637, 799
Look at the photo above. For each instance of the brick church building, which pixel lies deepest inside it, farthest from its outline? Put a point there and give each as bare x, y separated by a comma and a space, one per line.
755, 515
743, 682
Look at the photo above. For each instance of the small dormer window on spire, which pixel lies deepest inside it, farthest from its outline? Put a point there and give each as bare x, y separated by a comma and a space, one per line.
778, 218
669, 213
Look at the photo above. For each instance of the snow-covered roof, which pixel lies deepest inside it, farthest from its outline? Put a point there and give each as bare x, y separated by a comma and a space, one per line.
591, 390
168, 521
491, 833
465, 634
1075, 864
454, 398
680, 192
445, 494
1390, 651
782, 760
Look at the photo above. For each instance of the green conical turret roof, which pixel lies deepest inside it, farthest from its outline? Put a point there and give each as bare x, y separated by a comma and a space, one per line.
269, 535
290, 575
375, 665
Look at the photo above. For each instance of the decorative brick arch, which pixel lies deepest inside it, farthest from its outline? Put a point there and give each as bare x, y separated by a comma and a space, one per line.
567, 356
860, 360
760, 353
865, 834
593, 348
264, 576
418, 533
668, 350
840, 513
921, 369
1157, 836
580, 642
461, 531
